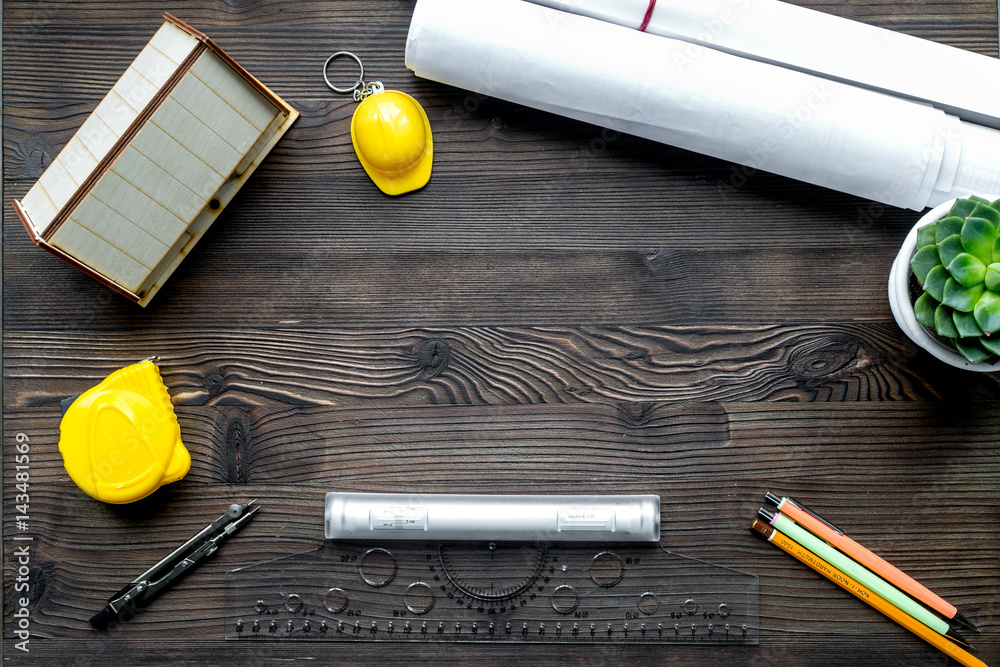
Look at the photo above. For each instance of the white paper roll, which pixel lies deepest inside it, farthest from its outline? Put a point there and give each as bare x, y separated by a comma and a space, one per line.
952, 79
762, 116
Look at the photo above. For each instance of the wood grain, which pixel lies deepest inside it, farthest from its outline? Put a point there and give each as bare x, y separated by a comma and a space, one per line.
562, 310
319, 284
289, 458
493, 365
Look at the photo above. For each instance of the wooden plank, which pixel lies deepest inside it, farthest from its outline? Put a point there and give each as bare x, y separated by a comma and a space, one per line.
39, 207
702, 441
173, 42
496, 447
234, 89
152, 65
100, 255
214, 112
134, 90
159, 185
193, 134
120, 195
58, 184
97, 136
178, 161
77, 160
120, 232
250, 363
116, 113
305, 279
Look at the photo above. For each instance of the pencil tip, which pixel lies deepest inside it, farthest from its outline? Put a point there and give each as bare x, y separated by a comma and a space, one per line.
954, 636
773, 499
960, 618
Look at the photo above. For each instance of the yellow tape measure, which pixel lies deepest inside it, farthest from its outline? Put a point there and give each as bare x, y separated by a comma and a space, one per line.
120, 440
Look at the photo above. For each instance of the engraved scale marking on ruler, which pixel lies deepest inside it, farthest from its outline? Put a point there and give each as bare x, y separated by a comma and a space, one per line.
498, 592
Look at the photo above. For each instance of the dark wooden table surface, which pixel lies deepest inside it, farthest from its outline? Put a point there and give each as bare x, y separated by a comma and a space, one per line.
562, 310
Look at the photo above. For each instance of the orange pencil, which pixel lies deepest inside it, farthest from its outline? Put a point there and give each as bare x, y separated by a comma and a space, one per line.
846, 582
836, 538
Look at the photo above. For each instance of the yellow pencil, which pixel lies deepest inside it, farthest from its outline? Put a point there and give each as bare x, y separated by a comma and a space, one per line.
935, 639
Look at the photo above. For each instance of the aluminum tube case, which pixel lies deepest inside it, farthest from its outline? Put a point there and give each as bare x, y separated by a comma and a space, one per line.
453, 517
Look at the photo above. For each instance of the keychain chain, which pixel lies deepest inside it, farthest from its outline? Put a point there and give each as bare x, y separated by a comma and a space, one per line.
363, 90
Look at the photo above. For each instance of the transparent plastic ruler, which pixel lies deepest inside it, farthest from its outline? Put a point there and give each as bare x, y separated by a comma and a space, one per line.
492, 593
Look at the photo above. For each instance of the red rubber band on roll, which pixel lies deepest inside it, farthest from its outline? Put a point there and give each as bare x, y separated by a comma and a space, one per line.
649, 15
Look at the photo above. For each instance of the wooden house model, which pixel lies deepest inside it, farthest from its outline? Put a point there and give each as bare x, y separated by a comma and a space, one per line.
155, 163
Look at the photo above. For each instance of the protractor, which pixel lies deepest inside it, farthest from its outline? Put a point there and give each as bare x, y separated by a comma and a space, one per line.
492, 571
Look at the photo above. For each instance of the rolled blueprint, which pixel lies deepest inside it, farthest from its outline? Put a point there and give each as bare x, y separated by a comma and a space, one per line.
446, 517
828, 133
833, 47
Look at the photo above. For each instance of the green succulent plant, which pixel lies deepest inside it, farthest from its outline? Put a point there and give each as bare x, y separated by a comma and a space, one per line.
957, 263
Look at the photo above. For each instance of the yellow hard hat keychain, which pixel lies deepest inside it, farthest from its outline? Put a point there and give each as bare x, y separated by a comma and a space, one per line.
120, 440
390, 133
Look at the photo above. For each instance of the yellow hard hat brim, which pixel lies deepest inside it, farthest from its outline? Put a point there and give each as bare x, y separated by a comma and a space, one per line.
408, 180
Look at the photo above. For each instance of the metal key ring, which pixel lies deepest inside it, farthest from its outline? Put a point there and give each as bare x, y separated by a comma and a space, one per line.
361, 77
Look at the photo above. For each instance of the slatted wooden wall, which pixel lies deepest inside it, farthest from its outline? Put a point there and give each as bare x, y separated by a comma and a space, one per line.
135, 219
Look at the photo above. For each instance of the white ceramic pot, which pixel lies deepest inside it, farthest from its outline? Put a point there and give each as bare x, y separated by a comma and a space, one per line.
902, 307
